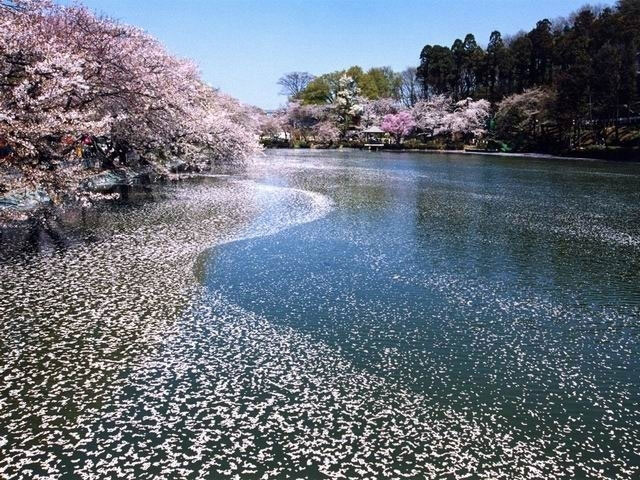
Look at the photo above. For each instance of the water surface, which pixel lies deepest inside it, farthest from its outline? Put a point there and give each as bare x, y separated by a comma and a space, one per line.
329, 315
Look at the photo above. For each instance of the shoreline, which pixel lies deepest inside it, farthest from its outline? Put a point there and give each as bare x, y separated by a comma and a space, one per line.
36, 203
545, 156
21, 213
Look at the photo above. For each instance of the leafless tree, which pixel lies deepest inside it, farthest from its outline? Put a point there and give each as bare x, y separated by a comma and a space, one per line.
294, 83
410, 87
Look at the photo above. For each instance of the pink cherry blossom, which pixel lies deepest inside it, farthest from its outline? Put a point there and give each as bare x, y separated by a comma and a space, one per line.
69, 74
399, 124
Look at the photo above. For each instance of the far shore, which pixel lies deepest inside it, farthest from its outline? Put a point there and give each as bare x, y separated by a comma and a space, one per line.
627, 156
546, 156
29, 203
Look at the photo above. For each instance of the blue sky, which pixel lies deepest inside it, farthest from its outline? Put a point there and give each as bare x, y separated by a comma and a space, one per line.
244, 46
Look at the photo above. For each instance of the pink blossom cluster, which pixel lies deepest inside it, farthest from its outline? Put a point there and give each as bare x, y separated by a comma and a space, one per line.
300, 121
441, 116
399, 124
373, 111
66, 73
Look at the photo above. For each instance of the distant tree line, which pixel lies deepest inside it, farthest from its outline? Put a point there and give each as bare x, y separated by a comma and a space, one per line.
567, 83
565, 78
375, 83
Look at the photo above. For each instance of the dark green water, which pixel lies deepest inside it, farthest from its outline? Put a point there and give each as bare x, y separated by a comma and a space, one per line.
332, 315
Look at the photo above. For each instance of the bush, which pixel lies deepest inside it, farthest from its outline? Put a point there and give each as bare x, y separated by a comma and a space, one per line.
274, 143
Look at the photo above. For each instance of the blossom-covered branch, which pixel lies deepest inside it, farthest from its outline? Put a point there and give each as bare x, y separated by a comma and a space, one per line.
69, 78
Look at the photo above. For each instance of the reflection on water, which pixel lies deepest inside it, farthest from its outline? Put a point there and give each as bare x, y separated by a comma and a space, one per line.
359, 315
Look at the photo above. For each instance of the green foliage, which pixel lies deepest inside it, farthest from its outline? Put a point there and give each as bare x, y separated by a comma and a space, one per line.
376, 83
588, 65
319, 91
580, 77
301, 144
496, 146
380, 82
436, 69
274, 143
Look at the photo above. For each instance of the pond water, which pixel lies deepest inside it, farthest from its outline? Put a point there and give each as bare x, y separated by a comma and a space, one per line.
331, 315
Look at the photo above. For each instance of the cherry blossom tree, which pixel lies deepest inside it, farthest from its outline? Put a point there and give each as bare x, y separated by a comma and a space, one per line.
399, 125
347, 107
299, 119
373, 111
440, 116
326, 132
272, 126
69, 78
521, 118
430, 115
469, 118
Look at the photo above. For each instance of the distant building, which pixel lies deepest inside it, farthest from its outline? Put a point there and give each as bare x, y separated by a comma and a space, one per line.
374, 134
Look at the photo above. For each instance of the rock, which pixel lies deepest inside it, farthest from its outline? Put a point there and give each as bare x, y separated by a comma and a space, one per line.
91, 161
105, 181
132, 159
142, 177
177, 166
25, 200
108, 180
146, 175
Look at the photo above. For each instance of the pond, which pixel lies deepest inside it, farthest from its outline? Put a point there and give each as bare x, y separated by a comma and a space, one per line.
331, 315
